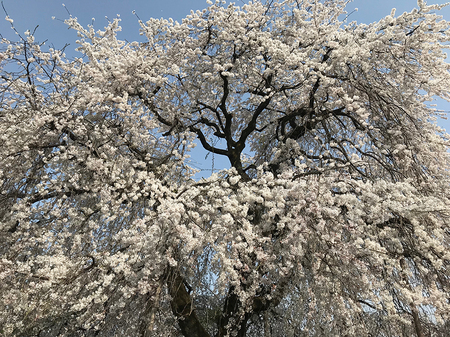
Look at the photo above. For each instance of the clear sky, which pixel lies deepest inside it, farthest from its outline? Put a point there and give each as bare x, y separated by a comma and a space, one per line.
27, 14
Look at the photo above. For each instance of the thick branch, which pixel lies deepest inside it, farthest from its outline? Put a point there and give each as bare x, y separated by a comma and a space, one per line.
40, 197
252, 124
205, 143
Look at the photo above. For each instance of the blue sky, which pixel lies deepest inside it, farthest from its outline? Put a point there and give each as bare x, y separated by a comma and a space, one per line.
27, 14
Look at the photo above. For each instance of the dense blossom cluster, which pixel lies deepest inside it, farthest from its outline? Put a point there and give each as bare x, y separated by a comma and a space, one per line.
332, 220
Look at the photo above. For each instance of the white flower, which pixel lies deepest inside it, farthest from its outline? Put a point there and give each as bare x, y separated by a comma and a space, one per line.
234, 180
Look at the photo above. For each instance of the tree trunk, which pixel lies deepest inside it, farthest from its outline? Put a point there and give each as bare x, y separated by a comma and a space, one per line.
183, 308
230, 315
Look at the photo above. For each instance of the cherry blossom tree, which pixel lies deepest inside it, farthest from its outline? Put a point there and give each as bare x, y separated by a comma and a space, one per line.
331, 220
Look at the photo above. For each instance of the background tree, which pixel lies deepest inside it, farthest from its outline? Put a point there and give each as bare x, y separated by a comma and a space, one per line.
333, 218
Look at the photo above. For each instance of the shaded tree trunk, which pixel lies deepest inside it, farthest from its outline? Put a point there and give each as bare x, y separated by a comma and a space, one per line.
183, 308
230, 315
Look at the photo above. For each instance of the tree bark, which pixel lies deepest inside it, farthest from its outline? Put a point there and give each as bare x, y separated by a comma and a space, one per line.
183, 308
230, 315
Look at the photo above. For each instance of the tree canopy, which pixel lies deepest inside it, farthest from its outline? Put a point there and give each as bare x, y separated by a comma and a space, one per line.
332, 218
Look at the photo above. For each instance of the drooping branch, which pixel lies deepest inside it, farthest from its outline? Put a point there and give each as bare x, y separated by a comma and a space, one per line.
148, 316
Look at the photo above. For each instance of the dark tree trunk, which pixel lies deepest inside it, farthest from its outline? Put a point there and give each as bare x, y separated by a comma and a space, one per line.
183, 308
230, 314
